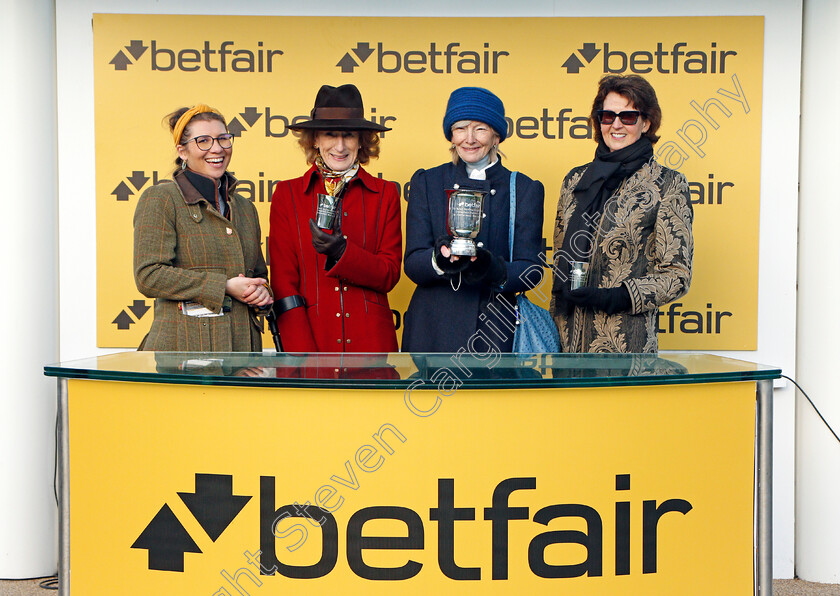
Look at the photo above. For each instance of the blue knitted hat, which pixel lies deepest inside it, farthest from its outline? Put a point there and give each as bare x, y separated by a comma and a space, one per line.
475, 103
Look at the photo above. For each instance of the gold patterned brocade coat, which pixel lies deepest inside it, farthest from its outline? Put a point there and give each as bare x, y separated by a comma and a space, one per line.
643, 241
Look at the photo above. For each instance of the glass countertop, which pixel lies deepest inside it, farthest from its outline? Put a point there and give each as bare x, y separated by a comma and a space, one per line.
402, 370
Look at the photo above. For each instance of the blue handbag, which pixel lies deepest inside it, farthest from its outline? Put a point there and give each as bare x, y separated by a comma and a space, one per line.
536, 331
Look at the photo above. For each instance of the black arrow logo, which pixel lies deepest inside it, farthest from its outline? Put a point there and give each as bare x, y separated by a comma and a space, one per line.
120, 61
123, 321
138, 179
347, 63
139, 308
363, 50
589, 51
213, 503
122, 192
235, 127
136, 49
167, 541
573, 64
250, 115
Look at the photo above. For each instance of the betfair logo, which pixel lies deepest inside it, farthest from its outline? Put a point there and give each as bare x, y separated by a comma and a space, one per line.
249, 118
214, 507
505, 543
587, 52
135, 49
449, 58
362, 51
224, 57
677, 59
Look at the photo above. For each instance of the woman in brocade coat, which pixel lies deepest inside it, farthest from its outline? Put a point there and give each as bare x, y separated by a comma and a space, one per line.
331, 286
630, 219
461, 303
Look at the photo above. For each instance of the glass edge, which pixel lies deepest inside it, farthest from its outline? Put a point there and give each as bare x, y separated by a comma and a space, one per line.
98, 375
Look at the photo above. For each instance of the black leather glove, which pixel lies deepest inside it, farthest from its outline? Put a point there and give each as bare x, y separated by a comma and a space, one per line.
487, 269
448, 267
560, 290
609, 300
332, 245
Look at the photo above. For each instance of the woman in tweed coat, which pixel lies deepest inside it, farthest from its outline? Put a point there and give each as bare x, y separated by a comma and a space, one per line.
630, 219
197, 246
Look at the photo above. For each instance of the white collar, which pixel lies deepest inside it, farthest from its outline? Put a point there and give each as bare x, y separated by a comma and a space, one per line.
478, 170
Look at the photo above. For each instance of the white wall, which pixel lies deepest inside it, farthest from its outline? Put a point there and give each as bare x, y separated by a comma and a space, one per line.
779, 176
818, 454
28, 286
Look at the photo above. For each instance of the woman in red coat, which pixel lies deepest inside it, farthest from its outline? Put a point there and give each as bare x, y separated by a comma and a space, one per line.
331, 285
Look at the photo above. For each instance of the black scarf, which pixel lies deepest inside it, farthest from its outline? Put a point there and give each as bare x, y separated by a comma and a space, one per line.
207, 187
600, 180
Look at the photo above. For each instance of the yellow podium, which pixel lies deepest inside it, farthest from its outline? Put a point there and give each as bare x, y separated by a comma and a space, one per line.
232, 474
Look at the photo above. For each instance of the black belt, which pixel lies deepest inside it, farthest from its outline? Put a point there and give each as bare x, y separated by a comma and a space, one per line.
287, 304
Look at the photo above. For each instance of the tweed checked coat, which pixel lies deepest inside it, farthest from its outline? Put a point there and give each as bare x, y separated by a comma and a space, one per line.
346, 307
185, 250
644, 241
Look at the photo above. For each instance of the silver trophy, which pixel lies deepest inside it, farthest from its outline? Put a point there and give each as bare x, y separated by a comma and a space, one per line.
464, 220
327, 209
579, 273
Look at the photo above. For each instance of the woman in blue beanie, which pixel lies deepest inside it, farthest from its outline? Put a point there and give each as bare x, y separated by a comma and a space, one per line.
466, 304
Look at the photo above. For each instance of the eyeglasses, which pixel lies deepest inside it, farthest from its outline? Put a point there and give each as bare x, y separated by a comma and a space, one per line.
628, 118
205, 142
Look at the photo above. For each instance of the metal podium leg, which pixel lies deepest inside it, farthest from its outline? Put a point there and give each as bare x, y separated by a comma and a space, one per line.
63, 444
764, 516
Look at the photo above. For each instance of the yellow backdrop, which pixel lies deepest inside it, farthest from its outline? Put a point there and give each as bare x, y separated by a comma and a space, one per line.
263, 73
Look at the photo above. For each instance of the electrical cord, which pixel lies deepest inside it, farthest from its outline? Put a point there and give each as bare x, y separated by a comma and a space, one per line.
55, 460
51, 583
802, 391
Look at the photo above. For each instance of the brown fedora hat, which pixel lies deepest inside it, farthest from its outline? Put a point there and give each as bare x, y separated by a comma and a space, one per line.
338, 108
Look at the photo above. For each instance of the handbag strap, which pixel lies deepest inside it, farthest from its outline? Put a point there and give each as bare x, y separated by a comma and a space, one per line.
512, 212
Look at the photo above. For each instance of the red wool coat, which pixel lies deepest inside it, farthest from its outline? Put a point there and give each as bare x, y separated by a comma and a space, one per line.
346, 308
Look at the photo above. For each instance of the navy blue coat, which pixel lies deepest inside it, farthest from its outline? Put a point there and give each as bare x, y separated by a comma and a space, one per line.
439, 318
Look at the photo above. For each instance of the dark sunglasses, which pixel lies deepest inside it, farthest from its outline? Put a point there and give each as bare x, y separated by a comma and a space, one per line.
628, 118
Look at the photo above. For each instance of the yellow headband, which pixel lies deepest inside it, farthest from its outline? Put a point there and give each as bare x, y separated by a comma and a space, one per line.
186, 117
